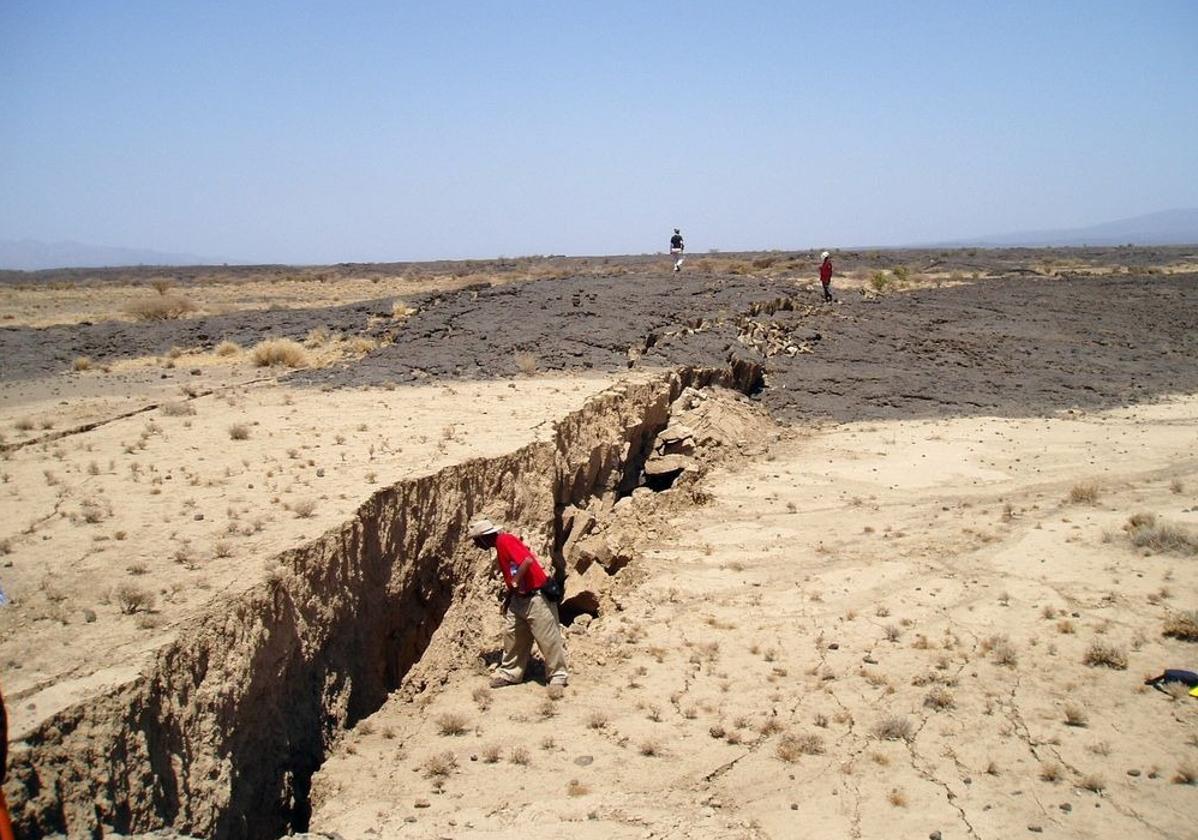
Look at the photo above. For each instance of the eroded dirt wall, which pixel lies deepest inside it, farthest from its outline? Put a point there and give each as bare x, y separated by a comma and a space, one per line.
223, 730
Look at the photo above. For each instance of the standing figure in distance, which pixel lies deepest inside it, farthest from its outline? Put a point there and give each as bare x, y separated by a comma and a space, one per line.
825, 275
676, 249
528, 614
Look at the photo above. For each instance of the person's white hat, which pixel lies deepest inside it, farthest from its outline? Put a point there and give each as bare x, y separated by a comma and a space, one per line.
824, 255
481, 528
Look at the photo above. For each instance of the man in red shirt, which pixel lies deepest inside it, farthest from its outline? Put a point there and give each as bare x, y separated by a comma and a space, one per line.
825, 275
527, 612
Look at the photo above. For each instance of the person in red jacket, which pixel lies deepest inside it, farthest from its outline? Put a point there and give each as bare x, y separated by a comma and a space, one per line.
529, 615
825, 275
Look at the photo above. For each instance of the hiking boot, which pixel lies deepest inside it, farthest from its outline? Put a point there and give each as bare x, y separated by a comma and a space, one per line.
561, 682
502, 682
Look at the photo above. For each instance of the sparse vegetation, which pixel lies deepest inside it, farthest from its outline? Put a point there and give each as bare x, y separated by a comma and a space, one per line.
894, 728
482, 697
897, 798
492, 753
1084, 493
1051, 772
164, 307
939, 698
239, 431
1075, 715
81, 363
131, 598
1146, 531
596, 720
792, 747
1102, 654
304, 508
279, 351
177, 409
227, 348
519, 756
1093, 782
1187, 774
439, 765
452, 723
526, 363
1182, 625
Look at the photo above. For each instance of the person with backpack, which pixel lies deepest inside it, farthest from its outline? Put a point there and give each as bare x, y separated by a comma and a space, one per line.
825, 276
529, 607
676, 249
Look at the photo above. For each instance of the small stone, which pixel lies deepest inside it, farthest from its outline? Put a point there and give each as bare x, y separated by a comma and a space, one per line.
584, 760
834, 646
967, 780
422, 803
1133, 772
794, 806
1035, 829
409, 819
869, 660
935, 835
320, 473
199, 517
89, 615
1066, 807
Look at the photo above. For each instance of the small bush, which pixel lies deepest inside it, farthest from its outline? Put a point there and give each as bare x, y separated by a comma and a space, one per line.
650, 748
1075, 715
1183, 626
227, 348
492, 753
897, 798
1145, 531
439, 765
894, 729
130, 598
452, 723
279, 351
304, 508
239, 431
1050, 773
162, 308
879, 281
1084, 493
519, 756
1094, 783
1109, 656
939, 698
482, 697
81, 363
597, 720
177, 409
526, 363
791, 747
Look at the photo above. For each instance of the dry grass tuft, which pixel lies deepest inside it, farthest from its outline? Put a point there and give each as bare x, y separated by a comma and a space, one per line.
439, 765
492, 753
597, 720
1145, 531
81, 363
131, 598
452, 723
161, 308
792, 747
239, 431
650, 748
482, 697
576, 788
227, 348
304, 508
939, 698
897, 798
519, 756
1051, 773
894, 728
1075, 715
1102, 654
526, 363
177, 409
279, 351
1093, 782
1182, 625
1084, 493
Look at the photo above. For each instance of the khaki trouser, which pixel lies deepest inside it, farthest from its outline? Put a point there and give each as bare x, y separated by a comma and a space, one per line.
531, 617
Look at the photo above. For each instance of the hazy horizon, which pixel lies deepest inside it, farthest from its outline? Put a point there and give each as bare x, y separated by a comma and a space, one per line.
300, 134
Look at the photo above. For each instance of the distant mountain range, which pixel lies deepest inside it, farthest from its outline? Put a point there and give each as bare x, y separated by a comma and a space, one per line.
1168, 227
32, 255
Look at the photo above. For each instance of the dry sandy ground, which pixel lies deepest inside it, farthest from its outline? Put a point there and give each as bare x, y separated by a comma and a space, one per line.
927, 576
115, 536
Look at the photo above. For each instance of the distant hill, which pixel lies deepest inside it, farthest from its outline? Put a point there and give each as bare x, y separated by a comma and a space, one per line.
1168, 227
32, 255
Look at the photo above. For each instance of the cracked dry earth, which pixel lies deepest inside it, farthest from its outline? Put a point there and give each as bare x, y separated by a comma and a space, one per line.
870, 630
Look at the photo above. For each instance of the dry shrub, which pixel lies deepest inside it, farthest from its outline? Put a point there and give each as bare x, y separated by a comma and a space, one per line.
177, 409
1187, 774
1084, 493
1075, 715
162, 308
650, 748
1002, 650
492, 753
1051, 773
81, 363
894, 729
526, 363
452, 723
791, 747
399, 309
1103, 654
360, 345
131, 598
239, 431
304, 508
279, 351
939, 698
227, 348
519, 756
1145, 531
1094, 783
577, 788
439, 765
1183, 626
482, 697
897, 798
597, 720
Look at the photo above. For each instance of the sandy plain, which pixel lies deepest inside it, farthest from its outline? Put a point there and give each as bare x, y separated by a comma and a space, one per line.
899, 534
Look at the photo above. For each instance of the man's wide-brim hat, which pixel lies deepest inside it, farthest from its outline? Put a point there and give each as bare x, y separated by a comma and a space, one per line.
824, 255
481, 528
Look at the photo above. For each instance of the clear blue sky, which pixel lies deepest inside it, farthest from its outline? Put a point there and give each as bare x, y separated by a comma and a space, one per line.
319, 132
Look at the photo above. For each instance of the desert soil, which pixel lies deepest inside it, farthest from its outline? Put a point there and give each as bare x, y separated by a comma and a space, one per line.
895, 539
